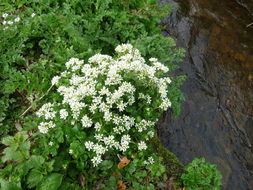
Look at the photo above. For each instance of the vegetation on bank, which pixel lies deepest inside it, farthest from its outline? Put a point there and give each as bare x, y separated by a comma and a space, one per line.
103, 135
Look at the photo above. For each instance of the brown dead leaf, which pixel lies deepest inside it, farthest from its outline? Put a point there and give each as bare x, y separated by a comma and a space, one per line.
123, 162
184, 188
115, 174
121, 185
134, 155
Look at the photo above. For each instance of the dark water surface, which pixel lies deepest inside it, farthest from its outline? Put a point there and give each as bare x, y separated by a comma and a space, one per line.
217, 117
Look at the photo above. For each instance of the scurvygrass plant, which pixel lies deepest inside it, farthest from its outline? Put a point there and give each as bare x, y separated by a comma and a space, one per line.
114, 101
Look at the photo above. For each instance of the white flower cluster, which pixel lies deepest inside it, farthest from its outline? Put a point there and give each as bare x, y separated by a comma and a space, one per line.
63, 114
47, 111
45, 126
55, 80
149, 161
7, 21
142, 146
99, 94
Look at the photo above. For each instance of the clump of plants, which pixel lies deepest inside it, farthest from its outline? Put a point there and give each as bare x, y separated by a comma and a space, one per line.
201, 175
100, 120
115, 102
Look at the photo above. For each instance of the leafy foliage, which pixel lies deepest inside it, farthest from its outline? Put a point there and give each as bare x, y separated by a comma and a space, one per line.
63, 172
36, 48
201, 175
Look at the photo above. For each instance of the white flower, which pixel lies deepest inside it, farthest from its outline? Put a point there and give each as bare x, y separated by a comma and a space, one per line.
116, 130
86, 121
4, 22
168, 80
5, 28
5, 15
116, 145
151, 160
131, 100
166, 103
98, 126
50, 143
89, 145
50, 124
148, 99
153, 59
55, 80
116, 120
99, 149
96, 160
125, 140
17, 19
33, 15
70, 151
141, 96
142, 145
104, 91
10, 22
123, 48
47, 111
92, 108
124, 146
145, 162
45, 126
107, 116
63, 114
99, 137
151, 134
121, 106
109, 140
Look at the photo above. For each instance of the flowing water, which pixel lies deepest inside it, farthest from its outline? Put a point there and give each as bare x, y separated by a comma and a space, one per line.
216, 121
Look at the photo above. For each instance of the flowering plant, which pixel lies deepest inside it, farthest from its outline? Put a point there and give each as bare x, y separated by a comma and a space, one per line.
111, 103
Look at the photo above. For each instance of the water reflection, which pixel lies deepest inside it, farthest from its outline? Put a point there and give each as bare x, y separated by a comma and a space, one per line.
217, 117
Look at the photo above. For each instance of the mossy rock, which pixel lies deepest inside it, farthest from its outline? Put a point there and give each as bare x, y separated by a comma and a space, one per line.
174, 167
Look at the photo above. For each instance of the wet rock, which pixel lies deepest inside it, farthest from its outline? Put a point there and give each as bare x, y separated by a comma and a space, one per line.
216, 119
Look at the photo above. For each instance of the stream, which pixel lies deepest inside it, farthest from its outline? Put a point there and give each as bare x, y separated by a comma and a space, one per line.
216, 121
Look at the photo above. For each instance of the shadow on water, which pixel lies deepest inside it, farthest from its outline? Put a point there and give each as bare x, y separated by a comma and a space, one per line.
217, 117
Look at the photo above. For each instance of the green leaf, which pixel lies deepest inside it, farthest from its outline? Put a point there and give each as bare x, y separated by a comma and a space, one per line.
12, 154
23, 168
21, 137
50, 182
25, 146
5, 185
112, 182
7, 140
49, 165
34, 178
131, 169
36, 161
106, 164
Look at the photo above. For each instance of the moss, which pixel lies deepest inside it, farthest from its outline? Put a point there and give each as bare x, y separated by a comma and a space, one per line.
174, 167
